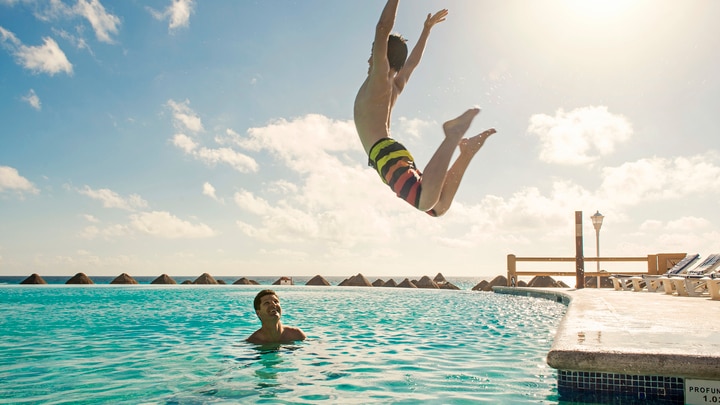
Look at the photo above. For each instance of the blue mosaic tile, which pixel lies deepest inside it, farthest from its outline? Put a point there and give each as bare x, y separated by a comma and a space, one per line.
610, 388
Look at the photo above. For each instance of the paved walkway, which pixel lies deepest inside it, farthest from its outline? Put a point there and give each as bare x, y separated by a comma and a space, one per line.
635, 333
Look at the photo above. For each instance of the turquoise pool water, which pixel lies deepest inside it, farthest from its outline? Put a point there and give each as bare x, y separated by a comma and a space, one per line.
185, 345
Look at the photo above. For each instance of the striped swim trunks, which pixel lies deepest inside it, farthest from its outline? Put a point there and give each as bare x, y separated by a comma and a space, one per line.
396, 168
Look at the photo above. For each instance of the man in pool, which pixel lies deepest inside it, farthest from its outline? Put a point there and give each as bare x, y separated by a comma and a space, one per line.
433, 189
267, 308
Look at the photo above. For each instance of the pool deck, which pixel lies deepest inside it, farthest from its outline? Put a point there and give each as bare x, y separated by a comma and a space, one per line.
635, 333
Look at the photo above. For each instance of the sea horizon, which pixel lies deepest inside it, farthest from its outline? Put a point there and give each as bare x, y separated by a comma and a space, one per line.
462, 282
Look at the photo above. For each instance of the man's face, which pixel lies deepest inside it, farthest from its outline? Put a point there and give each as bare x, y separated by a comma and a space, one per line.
269, 307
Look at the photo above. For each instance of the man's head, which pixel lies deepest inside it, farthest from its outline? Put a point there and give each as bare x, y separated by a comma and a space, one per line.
397, 52
258, 297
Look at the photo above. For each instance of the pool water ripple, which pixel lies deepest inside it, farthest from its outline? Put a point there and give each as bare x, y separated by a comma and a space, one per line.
185, 345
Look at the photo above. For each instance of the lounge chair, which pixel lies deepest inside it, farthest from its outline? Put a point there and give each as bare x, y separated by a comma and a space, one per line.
692, 283
654, 282
713, 285
621, 282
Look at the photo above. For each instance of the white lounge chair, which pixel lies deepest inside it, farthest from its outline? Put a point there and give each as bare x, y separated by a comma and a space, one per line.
713, 286
668, 283
653, 282
621, 282
692, 283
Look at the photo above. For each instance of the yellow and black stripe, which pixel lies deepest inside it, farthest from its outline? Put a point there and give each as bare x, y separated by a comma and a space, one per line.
396, 168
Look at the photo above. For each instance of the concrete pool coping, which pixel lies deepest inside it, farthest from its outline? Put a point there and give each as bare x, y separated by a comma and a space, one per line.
635, 333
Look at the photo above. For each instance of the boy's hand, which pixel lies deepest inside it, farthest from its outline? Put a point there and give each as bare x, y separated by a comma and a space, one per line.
438, 17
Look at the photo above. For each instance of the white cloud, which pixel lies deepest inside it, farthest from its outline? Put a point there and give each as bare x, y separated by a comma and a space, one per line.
177, 13
336, 201
91, 218
76, 40
209, 191
247, 201
185, 143
109, 232
184, 117
53, 10
33, 99
111, 199
7, 36
580, 136
211, 157
655, 179
160, 224
412, 127
304, 143
104, 23
11, 180
165, 225
47, 58
236, 160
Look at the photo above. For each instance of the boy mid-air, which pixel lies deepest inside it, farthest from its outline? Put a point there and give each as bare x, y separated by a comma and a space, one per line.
433, 189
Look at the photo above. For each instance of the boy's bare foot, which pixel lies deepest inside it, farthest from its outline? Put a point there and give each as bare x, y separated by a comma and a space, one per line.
472, 145
456, 128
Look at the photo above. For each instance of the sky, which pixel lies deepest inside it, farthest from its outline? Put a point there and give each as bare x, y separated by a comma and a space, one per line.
183, 137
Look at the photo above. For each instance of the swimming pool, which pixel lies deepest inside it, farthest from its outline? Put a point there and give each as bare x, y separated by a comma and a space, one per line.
185, 344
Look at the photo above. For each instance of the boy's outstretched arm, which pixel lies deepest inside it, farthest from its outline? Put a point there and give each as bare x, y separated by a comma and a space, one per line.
382, 32
414, 59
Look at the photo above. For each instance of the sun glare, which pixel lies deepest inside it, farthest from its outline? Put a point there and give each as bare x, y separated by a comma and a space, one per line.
599, 9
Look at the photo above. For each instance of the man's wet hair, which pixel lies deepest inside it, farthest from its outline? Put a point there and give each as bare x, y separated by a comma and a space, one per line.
397, 52
259, 296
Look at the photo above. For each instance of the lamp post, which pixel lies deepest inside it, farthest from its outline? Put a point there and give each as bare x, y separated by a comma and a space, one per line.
597, 220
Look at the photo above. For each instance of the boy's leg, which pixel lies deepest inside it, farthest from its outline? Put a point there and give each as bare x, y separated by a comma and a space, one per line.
468, 148
433, 177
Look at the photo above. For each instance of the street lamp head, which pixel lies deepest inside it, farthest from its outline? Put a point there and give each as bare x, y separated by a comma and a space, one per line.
597, 220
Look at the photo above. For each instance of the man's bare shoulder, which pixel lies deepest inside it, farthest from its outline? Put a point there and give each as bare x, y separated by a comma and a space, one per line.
256, 338
292, 333
289, 334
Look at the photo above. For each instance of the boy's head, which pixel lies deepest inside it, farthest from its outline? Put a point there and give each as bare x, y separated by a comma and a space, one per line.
397, 52
258, 297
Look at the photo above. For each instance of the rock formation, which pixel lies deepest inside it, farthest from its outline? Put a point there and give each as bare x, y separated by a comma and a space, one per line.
318, 280
205, 279
356, 281
390, 283
124, 278
542, 282
34, 279
487, 286
378, 283
439, 278
407, 284
163, 279
425, 282
245, 281
187, 282
79, 278
448, 286
498, 281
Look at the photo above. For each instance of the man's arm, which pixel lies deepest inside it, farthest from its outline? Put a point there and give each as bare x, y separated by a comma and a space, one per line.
382, 32
414, 59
